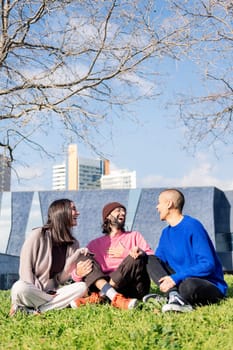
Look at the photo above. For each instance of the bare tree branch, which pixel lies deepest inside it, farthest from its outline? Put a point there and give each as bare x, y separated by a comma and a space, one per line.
78, 63
207, 116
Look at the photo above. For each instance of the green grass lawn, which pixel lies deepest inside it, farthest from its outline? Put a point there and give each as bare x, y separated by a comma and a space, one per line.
101, 327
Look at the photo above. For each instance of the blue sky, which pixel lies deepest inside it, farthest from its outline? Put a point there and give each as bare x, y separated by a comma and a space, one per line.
153, 146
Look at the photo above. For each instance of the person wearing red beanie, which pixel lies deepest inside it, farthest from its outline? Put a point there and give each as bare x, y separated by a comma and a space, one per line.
118, 268
108, 208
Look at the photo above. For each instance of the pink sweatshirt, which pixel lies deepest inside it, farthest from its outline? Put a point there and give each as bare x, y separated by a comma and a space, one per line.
110, 251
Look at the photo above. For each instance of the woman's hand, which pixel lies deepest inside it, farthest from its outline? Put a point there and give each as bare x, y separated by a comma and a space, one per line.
84, 251
83, 268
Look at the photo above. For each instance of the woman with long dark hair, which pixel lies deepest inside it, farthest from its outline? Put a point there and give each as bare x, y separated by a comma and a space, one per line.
48, 256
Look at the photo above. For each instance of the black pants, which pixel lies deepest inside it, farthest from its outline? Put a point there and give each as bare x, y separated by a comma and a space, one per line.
131, 277
196, 291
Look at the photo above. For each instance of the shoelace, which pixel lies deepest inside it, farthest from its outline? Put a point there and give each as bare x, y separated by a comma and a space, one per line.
175, 298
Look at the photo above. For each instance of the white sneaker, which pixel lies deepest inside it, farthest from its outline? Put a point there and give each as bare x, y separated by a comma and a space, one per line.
132, 304
154, 297
176, 303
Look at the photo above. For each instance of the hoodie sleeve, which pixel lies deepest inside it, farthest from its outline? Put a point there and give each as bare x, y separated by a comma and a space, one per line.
70, 265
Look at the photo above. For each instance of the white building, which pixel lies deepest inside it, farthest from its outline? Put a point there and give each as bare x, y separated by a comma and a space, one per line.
59, 177
78, 173
119, 179
5, 173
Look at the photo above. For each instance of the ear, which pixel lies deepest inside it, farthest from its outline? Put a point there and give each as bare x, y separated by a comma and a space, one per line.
170, 204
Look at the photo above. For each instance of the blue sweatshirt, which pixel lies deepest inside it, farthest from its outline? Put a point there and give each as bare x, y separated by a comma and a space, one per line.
188, 250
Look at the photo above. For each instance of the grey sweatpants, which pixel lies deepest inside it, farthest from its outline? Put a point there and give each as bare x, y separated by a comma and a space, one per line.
27, 294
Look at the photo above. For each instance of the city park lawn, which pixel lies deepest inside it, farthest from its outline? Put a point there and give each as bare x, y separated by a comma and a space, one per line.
102, 327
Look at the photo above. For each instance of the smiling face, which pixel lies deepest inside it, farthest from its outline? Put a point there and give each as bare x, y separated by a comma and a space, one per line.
74, 214
117, 217
163, 206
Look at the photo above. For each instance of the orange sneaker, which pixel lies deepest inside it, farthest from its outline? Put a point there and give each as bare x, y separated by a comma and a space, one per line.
122, 302
94, 298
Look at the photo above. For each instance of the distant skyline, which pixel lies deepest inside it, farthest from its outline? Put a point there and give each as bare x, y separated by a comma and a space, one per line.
154, 151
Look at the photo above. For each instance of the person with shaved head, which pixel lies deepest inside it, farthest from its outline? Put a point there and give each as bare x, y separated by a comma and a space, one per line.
185, 265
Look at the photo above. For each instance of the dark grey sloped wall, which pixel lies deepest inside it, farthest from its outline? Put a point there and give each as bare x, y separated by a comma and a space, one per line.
229, 198
198, 203
89, 204
224, 228
21, 204
9, 270
9, 263
208, 204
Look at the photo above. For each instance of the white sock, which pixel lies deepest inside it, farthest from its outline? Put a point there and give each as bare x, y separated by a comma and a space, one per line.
109, 291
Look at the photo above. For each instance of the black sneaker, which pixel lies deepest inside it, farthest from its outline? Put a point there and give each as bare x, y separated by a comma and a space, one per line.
176, 303
154, 297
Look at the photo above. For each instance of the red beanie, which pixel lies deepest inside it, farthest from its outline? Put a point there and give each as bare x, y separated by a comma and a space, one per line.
108, 208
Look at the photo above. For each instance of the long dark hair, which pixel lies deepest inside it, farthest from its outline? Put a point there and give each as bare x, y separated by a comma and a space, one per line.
59, 221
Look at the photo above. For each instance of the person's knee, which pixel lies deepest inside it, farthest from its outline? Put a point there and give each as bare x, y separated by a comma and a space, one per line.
153, 263
81, 287
19, 289
200, 292
187, 287
192, 291
140, 260
128, 263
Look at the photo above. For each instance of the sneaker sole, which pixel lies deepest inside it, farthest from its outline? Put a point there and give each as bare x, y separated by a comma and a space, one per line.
132, 304
73, 305
177, 308
23, 309
156, 297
